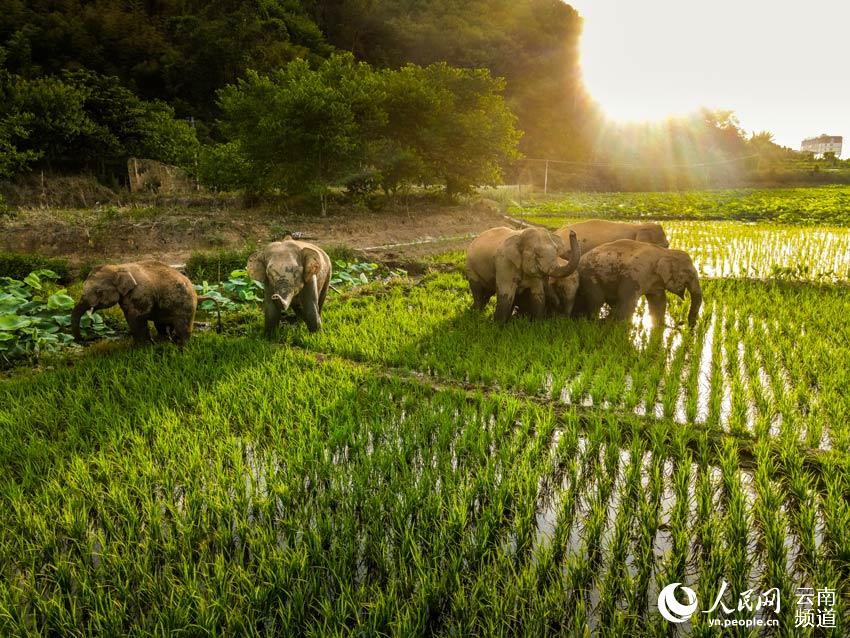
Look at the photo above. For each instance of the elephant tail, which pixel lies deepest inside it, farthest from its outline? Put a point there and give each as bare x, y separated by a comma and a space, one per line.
217, 310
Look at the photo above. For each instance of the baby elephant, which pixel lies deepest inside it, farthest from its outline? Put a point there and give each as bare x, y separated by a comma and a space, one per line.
146, 291
620, 272
295, 275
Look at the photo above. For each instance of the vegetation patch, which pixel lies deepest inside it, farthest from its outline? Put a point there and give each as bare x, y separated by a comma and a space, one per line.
817, 205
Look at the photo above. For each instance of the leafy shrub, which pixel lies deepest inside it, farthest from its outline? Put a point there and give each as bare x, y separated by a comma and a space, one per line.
239, 290
215, 266
18, 266
35, 317
352, 274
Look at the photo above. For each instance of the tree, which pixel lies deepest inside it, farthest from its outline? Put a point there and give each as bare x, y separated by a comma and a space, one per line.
82, 120
450, 125
301, 130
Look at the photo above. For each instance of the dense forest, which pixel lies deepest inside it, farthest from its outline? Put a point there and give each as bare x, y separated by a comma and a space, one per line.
360, 93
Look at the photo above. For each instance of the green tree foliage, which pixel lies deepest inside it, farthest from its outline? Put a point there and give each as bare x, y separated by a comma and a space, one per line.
444, 125
177, 50
302, 130
182, 51
533, 44
84, 120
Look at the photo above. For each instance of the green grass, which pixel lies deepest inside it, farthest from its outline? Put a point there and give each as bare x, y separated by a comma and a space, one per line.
417, 469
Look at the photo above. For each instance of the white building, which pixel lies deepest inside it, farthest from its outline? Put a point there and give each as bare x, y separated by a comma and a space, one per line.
822, 144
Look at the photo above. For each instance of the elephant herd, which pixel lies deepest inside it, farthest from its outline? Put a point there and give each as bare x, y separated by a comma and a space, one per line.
573, 272
577, 269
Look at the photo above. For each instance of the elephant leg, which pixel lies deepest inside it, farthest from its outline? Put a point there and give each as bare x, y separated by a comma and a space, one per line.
625, 307
163, 330
591, 301
657, 307
180, 334
480, 295
311, 316
537, 300
554, 303
139, 329
271, 314
504, 305
628, 294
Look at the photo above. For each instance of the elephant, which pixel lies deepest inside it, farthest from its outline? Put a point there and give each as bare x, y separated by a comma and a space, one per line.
595, 232
516, 265
620, 272
294, 274
146, 291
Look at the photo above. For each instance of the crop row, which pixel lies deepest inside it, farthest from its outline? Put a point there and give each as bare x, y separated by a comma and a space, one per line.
817, 205
243, 488
741, 369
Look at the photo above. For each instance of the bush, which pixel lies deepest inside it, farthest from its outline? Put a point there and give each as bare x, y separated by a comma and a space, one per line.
35, 317
216, 266
18, 266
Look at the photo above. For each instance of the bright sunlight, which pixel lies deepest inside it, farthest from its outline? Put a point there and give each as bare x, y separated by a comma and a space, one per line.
768, 60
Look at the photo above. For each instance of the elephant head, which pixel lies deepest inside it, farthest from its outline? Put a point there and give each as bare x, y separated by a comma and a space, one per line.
284, 268
104, 287
652, 234
677, 272
536, 252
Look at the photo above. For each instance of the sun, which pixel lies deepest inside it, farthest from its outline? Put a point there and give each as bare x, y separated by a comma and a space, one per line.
641, 64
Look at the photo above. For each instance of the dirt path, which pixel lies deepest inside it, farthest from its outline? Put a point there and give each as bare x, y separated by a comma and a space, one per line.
172, 234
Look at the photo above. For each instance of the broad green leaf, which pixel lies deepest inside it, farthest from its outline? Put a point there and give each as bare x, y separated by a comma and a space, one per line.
13, 322
33, 281
60, 302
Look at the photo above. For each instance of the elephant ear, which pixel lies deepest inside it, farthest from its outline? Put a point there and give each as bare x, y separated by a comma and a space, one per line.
257, 266
666, 268
312, 261
125, 282
512, 249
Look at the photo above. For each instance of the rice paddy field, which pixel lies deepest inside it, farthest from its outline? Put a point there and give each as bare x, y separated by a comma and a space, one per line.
416, 469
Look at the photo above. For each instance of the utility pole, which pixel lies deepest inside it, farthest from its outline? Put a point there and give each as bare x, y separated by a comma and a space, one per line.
546, 179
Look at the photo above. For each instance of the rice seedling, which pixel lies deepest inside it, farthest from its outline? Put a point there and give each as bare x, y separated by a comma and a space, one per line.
415, 468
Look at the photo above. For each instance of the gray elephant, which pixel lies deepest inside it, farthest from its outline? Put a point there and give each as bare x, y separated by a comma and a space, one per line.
515, 265
145, 291
619, 273
294, 274
595, 232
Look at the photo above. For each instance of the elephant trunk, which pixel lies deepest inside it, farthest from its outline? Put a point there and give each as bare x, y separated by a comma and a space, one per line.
77, 314
575, 256
695, 293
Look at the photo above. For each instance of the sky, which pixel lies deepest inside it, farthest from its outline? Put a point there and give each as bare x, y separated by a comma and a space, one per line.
781, 66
